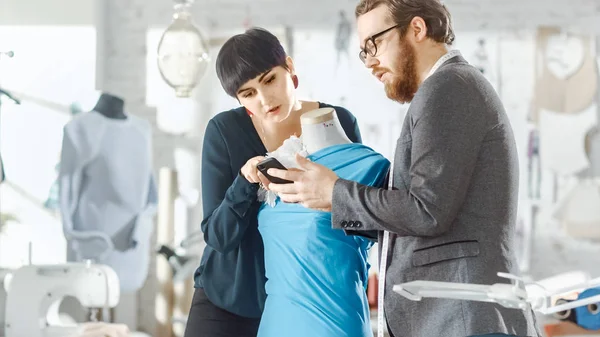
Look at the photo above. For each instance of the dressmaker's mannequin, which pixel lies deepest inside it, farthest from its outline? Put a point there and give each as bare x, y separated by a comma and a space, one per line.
110, 106
321, 128
107, 193
108, 197
315, 304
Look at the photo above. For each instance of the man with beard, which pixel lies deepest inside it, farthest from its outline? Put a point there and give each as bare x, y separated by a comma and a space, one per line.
450, 212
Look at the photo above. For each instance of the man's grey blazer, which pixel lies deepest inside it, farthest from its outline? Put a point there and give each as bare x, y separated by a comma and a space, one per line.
452, 210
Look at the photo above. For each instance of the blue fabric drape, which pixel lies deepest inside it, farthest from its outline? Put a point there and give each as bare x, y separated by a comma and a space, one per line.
317, 275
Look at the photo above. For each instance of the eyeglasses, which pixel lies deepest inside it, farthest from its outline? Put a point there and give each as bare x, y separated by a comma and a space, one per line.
370, 45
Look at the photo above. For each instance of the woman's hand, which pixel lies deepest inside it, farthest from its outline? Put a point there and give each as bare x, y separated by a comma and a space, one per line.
251, 173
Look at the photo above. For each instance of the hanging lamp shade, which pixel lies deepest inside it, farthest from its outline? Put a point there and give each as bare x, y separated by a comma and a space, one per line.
182, 54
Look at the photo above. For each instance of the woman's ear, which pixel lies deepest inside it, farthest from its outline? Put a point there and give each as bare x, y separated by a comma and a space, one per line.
290, 65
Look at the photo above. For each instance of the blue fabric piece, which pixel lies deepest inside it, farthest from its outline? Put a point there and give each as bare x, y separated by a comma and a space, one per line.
317, 275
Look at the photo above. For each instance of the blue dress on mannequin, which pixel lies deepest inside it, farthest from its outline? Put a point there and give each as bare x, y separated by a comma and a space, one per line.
317, 275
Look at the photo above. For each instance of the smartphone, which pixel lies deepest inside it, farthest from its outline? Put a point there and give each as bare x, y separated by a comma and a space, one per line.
270, 163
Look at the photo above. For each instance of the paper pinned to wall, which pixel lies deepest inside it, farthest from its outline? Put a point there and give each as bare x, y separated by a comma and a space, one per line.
579, 213
562, 140
566, 79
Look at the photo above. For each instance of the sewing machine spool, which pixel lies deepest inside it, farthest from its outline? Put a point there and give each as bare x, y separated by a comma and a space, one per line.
567, 315
593, 309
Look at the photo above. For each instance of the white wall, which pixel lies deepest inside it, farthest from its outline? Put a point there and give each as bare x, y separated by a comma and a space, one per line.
54, 65
49, 12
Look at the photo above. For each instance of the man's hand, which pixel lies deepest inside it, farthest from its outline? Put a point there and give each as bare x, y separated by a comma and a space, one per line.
312, 187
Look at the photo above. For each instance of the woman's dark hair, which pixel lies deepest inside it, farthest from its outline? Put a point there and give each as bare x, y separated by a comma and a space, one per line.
245, 56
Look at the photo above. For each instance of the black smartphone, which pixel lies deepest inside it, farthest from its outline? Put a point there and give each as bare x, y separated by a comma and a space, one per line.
270, 163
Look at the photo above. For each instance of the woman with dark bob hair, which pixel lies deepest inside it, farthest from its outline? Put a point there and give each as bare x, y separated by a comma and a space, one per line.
230, 283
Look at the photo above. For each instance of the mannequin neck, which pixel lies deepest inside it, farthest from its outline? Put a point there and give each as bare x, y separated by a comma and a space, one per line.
321, 128
110, 106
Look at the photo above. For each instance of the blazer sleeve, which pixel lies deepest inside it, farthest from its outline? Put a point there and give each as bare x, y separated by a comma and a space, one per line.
447, 134
227, 202
352, 130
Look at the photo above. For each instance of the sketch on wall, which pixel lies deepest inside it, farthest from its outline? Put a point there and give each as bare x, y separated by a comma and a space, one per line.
289, 37
482, 53
592, 139
565, 112
481, 60
534, 169
562, 140
578, 212
566, 80
564, 102
342, 37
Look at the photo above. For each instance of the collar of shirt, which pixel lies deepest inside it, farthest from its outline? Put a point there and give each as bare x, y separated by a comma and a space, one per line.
443, 59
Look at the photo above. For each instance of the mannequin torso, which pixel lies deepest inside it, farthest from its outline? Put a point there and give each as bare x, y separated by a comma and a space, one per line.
321, 128
108, 162
314, 305
110, 106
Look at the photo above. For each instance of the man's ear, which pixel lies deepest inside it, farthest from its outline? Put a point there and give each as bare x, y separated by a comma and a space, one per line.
418, 29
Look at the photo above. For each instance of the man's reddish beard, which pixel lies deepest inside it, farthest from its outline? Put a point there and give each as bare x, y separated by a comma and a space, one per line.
403, 87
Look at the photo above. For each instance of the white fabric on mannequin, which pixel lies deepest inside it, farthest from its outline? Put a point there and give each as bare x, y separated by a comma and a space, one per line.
286, 155
321, 128
108, 194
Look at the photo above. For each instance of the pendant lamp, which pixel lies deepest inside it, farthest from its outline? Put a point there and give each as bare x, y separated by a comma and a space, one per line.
183, 53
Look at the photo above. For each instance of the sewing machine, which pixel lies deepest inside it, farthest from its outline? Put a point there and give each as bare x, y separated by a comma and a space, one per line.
34, 294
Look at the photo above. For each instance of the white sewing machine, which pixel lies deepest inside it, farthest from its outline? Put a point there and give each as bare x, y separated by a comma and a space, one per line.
34, 294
